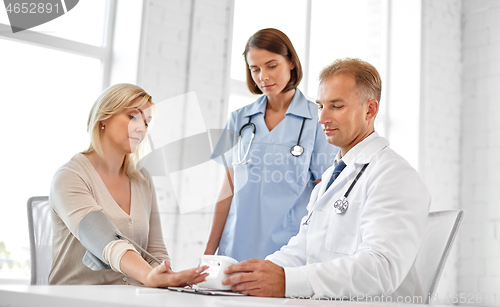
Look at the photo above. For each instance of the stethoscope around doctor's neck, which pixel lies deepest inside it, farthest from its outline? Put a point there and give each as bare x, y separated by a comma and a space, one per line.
296, 150
341, 205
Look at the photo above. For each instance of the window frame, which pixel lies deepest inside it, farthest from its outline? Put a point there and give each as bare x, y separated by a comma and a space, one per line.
103, 53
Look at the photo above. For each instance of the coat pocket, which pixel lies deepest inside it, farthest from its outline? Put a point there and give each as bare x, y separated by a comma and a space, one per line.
343, 229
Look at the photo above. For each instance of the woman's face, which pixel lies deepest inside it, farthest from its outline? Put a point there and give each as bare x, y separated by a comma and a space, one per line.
270, 71
125, 131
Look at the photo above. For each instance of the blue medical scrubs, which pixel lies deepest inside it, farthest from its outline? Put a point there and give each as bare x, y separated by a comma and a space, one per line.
271, 193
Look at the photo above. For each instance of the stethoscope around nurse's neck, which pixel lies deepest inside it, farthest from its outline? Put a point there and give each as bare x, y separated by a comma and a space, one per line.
296, 150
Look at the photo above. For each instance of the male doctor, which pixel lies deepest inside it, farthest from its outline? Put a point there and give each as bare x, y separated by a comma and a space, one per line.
352, 244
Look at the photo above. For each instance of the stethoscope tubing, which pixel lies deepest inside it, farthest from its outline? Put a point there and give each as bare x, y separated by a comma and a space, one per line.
254, 131
308, 220
242, 161
356, 180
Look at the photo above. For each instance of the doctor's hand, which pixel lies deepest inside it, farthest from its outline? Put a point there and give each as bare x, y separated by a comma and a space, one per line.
258, 278
162, 276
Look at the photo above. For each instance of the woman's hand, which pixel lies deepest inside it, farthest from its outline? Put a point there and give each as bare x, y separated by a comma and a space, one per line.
162, 276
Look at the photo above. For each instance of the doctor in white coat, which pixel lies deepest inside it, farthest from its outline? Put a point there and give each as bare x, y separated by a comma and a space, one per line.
359, 244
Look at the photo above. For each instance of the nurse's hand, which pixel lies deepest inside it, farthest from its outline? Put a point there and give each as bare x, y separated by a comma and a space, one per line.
258, 278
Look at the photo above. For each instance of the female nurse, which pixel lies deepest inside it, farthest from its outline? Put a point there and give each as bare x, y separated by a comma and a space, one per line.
286, 157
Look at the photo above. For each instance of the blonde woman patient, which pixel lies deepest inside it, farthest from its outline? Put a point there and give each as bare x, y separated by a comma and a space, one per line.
105, 215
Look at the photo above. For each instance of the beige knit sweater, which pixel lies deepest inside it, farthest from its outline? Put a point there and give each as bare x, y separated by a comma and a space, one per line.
76, 190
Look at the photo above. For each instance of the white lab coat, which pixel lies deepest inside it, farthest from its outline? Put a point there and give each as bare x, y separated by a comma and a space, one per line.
369, 250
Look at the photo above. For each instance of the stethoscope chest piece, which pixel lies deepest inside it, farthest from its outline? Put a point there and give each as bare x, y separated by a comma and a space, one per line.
341, 205
296, 150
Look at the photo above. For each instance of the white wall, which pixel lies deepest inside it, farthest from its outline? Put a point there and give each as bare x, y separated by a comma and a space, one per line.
460, 136
479, 266
440, 110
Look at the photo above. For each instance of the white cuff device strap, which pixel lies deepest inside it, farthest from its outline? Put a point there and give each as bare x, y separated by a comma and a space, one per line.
96, 231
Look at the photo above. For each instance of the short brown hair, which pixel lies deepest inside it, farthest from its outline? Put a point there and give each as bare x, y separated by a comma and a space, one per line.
368, 82
275, 41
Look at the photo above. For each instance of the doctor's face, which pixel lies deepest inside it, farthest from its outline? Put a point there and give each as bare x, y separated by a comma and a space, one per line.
344, 119
270, 71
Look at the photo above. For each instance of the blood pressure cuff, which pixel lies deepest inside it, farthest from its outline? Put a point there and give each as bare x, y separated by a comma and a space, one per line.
96, 231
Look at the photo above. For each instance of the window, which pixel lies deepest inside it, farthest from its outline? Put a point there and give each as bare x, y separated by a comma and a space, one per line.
50, 77
75, 25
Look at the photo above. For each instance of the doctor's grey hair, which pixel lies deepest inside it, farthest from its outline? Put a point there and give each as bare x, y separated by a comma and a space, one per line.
113, 100
368, 82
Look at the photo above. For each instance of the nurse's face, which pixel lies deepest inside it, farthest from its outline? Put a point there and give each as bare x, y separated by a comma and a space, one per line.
123, 132
270, 71
345, 120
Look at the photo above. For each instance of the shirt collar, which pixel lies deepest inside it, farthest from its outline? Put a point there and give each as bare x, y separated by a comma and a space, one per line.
297, 106
259, 106
351, 155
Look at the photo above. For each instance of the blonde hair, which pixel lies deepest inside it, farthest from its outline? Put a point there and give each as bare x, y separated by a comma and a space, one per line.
368, 82
116, 99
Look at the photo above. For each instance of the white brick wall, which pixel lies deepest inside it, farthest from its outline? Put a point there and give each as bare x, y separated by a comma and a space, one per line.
440, 111
479, 262
460, 134
184, 48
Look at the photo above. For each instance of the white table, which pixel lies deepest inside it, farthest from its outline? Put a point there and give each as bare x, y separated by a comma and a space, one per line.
108, 296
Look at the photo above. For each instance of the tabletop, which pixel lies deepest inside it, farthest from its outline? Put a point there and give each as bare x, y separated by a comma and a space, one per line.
109, 296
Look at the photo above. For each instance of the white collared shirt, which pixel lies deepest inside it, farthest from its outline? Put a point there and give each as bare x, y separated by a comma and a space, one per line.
354, 151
